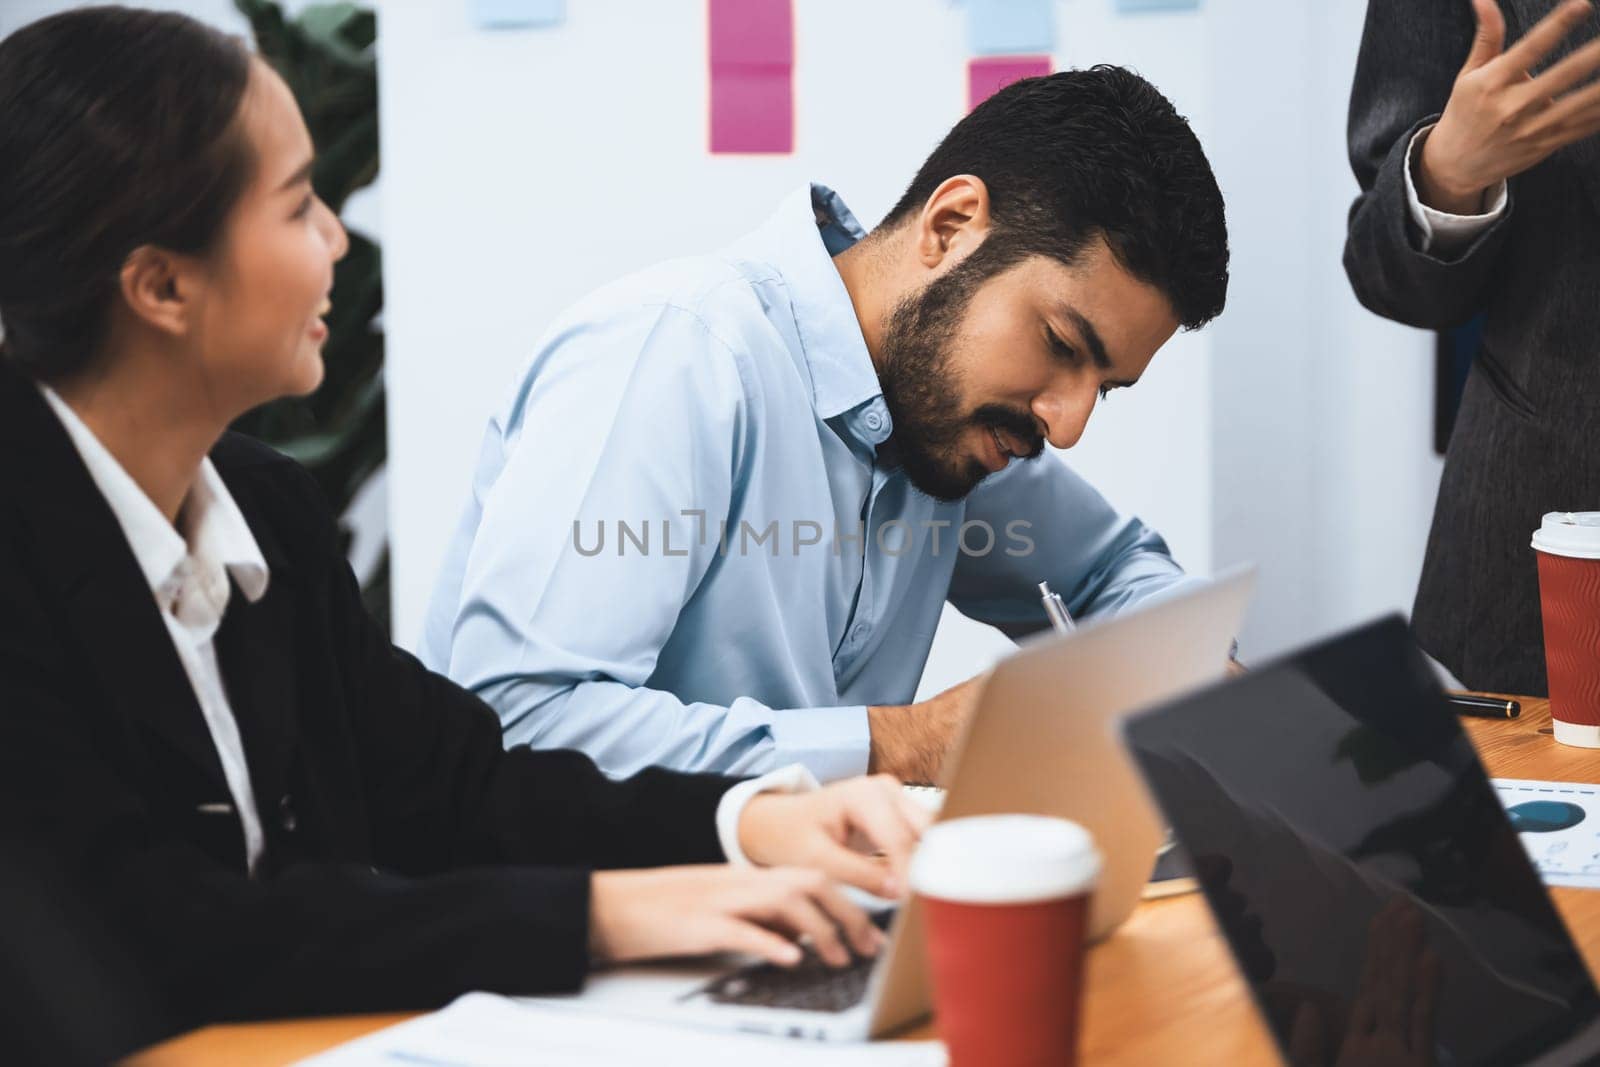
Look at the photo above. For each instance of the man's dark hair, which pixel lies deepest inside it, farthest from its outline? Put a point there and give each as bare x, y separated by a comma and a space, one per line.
1085, 154
116, 130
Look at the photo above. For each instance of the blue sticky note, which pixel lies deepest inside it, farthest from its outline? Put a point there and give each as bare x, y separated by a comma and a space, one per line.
516, 14
1134, 7
1011, 27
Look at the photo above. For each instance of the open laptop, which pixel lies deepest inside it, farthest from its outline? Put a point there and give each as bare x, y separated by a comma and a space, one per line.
1042, 740
1354, 854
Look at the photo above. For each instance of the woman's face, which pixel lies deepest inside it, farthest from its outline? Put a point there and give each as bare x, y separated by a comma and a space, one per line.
259, 328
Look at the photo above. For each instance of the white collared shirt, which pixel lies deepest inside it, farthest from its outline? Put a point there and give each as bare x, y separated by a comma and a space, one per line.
188, 576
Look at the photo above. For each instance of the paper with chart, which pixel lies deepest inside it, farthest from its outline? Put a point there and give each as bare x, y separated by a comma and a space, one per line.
1559, 825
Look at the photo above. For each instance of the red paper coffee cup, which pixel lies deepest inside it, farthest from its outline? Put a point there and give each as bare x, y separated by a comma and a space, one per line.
1005, 906
1568, 550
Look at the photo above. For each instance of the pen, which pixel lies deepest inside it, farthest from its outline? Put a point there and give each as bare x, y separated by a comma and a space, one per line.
1484, 707
1056, 609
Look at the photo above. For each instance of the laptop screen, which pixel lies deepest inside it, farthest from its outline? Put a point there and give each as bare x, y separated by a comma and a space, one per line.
1355, 856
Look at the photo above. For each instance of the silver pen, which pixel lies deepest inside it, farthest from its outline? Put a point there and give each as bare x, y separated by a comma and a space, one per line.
1056, 609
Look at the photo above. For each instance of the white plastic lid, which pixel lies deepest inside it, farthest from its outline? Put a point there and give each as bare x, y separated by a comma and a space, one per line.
1005, 859
1569, 533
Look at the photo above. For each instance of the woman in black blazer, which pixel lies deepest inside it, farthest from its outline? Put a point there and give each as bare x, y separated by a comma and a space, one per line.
274, 809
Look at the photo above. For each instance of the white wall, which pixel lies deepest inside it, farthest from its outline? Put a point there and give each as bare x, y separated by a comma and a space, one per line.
1373, 382
523, 168
1324, 474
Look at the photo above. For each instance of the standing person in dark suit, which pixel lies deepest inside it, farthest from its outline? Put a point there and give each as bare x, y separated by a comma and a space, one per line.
1480, 177
274, 809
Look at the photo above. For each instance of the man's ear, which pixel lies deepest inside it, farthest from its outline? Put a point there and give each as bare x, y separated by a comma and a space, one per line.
160, 289
954, 221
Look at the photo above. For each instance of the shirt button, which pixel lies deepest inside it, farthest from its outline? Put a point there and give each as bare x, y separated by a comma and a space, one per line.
861, 631
874, 421
286, 817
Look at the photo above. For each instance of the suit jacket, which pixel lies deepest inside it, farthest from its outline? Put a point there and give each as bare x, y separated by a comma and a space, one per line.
68, 995
408, 857
1525, 439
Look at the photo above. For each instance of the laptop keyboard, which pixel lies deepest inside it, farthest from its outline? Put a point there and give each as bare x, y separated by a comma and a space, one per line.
811, 985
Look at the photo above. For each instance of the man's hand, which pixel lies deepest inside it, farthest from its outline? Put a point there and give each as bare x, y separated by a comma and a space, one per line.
827, 830
1500, 120
696, 911
909, 741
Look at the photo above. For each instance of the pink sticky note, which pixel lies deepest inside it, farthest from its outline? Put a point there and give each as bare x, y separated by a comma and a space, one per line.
989, 74
752, 75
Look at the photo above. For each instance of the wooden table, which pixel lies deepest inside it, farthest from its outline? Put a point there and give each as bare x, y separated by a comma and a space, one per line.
1163, 989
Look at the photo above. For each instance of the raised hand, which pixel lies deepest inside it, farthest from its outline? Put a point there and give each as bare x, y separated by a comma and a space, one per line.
1500, 120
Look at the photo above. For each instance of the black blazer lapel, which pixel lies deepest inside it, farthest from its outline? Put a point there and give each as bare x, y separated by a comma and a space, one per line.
125, 645
255, 648
258, 648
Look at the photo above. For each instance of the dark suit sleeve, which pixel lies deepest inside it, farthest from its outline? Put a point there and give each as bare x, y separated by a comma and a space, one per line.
443, 792
209, 942
1411, 52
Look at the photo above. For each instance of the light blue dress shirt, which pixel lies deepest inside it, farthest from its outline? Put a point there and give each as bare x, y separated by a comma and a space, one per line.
683, 549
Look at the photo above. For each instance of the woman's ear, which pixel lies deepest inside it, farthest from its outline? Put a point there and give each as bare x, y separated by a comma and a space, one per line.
954, 221
160, 289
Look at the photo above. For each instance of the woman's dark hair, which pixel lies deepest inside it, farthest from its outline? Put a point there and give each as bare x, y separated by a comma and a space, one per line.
116, 130
1084, 154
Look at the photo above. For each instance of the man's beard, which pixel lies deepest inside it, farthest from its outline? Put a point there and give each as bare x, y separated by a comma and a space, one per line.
924, 397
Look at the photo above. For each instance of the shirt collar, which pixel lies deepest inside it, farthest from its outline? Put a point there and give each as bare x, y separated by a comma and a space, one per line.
801, 239
214, 529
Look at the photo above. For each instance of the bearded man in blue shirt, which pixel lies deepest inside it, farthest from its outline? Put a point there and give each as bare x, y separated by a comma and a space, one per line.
714, 525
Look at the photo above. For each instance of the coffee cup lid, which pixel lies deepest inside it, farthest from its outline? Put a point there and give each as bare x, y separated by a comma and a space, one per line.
1004, 859
1569, 533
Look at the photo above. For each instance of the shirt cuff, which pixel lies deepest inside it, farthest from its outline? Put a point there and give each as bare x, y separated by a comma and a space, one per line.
1444, 234
794, 778
833, 742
